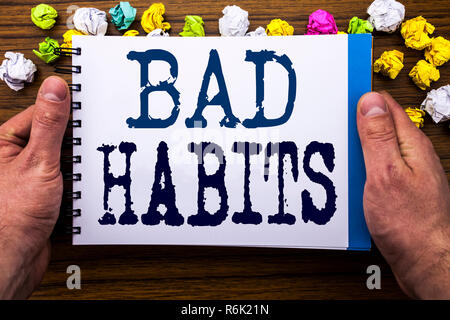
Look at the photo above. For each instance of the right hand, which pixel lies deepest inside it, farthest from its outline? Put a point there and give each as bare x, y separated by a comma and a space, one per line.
406, 197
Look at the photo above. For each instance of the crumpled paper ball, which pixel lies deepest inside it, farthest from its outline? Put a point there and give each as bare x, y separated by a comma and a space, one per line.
386, 15
259, 32
44, 16
131, 33
122, 15
438, 52
193, 27
67, 37
423, 73
158, 33
234, 22
47, 50
437, 104
153, 18
321, 22
278, 27
357, 25
16, 70
416, 115
389, 64
90, 21
415, 32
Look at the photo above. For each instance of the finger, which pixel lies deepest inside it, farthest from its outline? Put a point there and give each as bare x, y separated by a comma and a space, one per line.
52, 110
17, 129
413, 143
378, 136
403, 124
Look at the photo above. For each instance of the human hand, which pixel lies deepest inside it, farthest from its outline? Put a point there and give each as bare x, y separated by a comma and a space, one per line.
406, 197
31, 188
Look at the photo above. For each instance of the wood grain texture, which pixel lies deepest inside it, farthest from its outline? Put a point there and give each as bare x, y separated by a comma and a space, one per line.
159, 272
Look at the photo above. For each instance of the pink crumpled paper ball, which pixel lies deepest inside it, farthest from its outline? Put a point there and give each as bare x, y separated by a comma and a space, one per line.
321, 22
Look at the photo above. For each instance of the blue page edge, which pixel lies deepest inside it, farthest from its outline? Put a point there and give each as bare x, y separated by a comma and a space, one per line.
359, 82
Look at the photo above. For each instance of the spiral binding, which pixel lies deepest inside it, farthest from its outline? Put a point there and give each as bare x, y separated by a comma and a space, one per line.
74, 87
66, 52
71, 159
73, 230
76, 105
67, 69
72, 176
73, 195
75, 124
73, 212
71, 141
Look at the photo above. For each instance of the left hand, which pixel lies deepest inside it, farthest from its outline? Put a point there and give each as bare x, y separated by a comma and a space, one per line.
31, 188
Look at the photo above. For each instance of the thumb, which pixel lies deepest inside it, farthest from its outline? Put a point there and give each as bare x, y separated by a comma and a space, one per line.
377, 134
52, 111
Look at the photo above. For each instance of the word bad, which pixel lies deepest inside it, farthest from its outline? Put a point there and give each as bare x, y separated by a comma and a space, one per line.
221, 98
164, 193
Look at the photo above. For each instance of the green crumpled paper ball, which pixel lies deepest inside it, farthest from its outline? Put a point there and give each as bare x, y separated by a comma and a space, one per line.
193, 27
122, 15
44, 16
47, 50
357, 25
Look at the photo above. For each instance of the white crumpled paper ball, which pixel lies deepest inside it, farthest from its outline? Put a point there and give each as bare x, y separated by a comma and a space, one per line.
16, 70
386, 15
234, 22
437, 104
157, 33
90, 21
259, 32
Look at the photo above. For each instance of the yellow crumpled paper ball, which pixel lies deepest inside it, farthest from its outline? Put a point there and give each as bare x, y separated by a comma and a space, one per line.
153, 18
416, 115
389, 64
438, 52
423, 73
415, 32
67, 37
278, 27
131, 33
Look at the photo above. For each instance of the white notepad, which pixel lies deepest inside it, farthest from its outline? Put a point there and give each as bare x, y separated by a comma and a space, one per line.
180, 141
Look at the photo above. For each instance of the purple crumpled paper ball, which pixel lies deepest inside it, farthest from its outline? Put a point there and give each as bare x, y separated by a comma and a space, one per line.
321, 22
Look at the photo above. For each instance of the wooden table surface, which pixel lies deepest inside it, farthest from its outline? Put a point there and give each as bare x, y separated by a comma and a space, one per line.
173, 272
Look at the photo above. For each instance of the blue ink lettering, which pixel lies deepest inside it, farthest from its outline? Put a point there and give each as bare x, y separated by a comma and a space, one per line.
259, 59
282, 148
163, 195
309, 211
144, 59
128, 217
221, 98
216, 181
247, 216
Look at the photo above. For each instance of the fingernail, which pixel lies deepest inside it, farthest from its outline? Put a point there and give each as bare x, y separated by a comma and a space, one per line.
373, 104
53, 89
